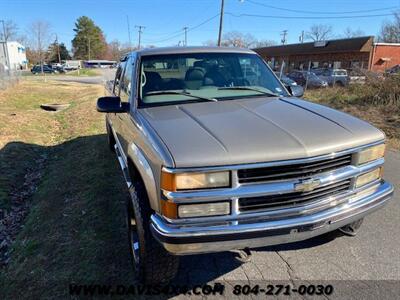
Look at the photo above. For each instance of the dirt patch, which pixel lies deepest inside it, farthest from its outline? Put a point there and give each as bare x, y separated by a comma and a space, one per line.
11, 220
54, 107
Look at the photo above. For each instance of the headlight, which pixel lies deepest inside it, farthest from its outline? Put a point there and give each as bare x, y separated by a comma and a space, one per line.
369, 154
368, 177
204, 210
193, 181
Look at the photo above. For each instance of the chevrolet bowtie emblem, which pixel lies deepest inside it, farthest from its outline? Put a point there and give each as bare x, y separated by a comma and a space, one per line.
307, 185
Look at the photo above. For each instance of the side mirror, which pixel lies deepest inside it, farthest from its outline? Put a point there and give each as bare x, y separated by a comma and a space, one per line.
296, 90
111, 104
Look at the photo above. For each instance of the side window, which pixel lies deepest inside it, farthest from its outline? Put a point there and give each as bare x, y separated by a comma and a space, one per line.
118, 77
126, 84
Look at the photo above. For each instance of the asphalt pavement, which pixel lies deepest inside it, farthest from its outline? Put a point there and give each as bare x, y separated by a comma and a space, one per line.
105, 75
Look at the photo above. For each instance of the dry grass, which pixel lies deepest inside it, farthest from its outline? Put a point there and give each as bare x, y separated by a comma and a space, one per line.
75, 229
377, 102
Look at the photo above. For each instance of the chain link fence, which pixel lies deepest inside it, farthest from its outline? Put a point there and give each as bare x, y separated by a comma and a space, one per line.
9, 78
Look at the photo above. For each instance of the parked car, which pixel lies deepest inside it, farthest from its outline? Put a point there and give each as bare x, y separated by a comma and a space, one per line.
72, 65
214, 163
56, 65
301, 77
285, 80
46, 69
393, 70
59, 69
333, 76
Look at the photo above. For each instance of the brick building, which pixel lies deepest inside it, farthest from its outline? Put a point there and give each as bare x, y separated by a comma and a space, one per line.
384, 56
352, 53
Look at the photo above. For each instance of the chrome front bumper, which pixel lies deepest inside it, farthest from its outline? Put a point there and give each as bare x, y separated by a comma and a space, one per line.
252, 232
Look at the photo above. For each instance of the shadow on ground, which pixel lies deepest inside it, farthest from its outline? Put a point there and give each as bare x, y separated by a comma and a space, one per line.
75, 231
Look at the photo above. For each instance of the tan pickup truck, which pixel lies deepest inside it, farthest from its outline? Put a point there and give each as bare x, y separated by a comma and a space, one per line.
218, 155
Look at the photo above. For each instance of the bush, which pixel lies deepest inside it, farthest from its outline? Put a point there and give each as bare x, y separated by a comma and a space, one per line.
378, 92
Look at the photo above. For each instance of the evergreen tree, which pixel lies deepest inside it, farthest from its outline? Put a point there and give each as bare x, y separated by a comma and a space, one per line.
89, 41
52, 52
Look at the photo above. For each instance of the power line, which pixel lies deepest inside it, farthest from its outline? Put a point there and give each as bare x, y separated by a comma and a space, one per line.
180, 31
307, 17
321, 12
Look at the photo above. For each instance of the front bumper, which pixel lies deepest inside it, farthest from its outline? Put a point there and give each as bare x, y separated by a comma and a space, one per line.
181, 239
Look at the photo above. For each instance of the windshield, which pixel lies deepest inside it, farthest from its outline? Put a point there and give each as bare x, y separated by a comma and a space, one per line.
312, 75
184, 78
340, 73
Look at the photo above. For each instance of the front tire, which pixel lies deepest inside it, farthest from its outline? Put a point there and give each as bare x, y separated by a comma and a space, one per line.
152, 263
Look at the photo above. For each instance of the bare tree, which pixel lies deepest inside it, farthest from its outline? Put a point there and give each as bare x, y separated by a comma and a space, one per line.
116, 50
39, 32
390, 31
10, 29
210, 43
238, 39
319, 32
264, 43
350, 33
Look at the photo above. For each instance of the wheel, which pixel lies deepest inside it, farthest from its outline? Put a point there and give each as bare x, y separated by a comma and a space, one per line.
151, 262
352, 229
110, 138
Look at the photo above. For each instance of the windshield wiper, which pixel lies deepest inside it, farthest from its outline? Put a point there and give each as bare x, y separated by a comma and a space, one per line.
155, 93
246, 88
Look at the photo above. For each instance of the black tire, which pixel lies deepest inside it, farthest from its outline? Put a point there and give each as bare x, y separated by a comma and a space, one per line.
152, 263
110, 138
338, 84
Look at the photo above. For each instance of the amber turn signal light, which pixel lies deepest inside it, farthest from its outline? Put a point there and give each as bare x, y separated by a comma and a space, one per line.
169, 209
168, 182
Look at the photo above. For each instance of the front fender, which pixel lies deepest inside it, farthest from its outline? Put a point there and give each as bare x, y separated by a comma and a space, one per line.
143, 167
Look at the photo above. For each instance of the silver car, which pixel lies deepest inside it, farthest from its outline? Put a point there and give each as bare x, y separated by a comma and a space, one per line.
334, 77
218, 155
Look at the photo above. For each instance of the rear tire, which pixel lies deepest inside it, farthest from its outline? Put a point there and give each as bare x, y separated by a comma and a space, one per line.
152, 263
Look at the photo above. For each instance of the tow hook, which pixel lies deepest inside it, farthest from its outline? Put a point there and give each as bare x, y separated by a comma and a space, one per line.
244, 255
352, 228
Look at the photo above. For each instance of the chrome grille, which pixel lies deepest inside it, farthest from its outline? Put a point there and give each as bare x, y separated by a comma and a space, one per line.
293, 199
292, 171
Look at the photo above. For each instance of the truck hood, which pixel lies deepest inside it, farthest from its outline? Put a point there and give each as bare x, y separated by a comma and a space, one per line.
255, 130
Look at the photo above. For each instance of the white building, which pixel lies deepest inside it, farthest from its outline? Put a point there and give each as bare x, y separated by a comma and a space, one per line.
16, 54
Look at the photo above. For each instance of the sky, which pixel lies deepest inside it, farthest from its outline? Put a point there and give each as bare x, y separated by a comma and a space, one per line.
164, 19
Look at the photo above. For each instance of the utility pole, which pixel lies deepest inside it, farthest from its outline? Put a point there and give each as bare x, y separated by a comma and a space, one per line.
89, 46
5, 48
185, 29
284, 34
301, 37
221, 20
140, 31
129, 32
58, 50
